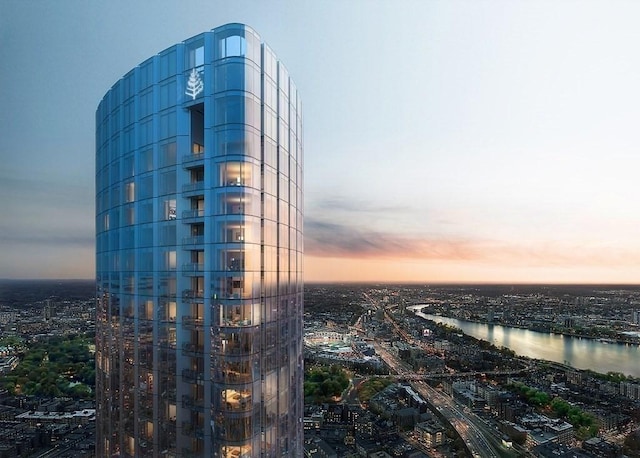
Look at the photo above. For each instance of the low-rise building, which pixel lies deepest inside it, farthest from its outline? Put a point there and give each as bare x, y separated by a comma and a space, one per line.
431, 432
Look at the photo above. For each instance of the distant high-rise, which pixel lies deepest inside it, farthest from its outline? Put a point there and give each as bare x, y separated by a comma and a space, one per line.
46, 310
491, 312
199, 254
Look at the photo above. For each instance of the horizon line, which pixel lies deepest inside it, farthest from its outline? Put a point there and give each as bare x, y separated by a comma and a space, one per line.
387, 282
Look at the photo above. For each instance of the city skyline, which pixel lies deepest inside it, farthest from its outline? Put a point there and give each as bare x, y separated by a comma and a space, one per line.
445, 141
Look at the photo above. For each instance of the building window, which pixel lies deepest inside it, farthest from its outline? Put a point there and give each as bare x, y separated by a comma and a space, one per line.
148, 310
169, 209
239, 174
168, 182
168, 153
129, 192
168, 64
168, 94
234, 45
196, 57
145, 160
171, 260
130, 215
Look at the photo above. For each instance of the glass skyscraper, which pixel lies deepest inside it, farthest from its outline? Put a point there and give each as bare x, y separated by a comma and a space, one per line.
199, 254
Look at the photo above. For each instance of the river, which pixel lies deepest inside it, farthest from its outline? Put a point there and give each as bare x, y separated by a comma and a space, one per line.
574, 351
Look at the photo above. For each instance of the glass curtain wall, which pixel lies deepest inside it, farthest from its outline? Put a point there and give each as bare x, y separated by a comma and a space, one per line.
199, 254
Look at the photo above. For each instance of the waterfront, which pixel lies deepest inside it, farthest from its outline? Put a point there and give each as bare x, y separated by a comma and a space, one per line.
578, 352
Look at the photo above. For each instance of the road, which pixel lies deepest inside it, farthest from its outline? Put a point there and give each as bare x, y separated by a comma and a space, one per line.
473, 437
477, 436
481, 439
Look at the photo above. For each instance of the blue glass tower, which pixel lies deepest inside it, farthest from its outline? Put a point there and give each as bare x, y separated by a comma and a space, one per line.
199, 254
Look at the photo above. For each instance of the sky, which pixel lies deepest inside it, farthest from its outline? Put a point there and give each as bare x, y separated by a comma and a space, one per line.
445, 141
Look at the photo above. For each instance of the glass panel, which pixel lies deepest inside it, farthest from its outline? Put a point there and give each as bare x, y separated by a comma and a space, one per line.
169, 208
129, 192
233, 46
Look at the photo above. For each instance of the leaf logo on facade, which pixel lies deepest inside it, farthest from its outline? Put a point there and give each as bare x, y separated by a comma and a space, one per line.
194, 85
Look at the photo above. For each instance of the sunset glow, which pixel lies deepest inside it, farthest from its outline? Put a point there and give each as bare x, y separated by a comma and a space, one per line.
445, 141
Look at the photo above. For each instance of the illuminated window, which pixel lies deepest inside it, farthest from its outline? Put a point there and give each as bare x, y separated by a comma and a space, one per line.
148, 310
171, 311
129, 192
169, 261
169, 209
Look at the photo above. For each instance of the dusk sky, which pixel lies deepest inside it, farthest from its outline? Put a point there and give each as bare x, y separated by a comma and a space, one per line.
445, 141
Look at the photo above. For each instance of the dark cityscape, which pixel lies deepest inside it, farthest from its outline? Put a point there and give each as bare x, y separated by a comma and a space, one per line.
380, 378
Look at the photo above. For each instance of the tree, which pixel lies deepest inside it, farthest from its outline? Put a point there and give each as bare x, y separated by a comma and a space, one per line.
68, 357
323, 384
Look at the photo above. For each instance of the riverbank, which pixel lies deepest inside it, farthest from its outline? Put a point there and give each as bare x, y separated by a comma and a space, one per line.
626, 340
585, 354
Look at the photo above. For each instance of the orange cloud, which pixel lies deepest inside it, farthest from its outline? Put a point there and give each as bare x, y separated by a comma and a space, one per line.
336, 252
442, 271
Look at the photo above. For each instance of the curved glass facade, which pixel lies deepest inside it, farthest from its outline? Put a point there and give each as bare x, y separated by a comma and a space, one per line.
199, 254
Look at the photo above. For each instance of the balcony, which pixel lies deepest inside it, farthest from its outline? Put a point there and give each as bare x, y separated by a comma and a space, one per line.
195, 240
192, 268
194, 159
191, 376
195, 187
235, 349
230, 376
192, 322
192, 430
189, 453
191, 350
235, 322
192, 403
192, 295
195, 214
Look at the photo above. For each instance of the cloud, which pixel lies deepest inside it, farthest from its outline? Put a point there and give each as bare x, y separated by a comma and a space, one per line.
331, 239
343, 204
558, 254
48, 238
326, 239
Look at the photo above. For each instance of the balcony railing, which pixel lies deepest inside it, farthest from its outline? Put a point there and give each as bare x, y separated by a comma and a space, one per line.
194, 213
189, 453
193, 267
235, 322
191, 376
193, 187
192, 403
190, 349
192, 295
190, 159
193, 240
192, 430
192, 322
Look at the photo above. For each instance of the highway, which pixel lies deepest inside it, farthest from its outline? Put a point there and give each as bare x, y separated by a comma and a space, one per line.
472, 436
480, 439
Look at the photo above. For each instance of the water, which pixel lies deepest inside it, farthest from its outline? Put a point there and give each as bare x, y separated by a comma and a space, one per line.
574, 351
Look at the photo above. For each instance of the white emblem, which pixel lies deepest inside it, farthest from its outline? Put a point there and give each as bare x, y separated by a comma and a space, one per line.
194, 85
